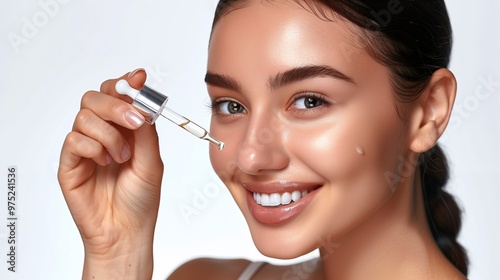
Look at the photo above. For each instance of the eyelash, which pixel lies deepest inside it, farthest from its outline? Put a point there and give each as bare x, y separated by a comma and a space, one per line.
215, 104
317, 96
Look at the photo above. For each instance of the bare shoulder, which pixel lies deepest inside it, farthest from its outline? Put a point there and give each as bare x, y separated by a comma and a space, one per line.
231, 269
208, 269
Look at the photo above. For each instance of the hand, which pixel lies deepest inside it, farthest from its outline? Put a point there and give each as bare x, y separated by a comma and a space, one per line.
110, 173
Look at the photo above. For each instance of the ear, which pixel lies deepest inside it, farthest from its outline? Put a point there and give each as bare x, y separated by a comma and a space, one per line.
433, 110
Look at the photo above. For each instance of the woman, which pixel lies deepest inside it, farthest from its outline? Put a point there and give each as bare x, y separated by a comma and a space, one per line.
330, 111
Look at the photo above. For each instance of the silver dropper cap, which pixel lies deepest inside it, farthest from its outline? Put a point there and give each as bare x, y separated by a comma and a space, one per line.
150, 102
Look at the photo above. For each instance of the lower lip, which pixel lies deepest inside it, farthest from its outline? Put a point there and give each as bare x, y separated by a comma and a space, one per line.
278, 214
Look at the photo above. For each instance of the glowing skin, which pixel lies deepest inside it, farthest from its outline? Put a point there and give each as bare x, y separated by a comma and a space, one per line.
276, 140
276, 144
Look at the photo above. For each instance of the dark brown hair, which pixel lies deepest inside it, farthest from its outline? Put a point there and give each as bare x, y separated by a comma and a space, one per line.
412, 39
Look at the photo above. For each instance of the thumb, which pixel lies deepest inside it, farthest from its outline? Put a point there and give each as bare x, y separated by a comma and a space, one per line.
136, 78
146, 152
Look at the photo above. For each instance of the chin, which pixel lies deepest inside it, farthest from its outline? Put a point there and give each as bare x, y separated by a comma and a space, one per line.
280, 250
282, 241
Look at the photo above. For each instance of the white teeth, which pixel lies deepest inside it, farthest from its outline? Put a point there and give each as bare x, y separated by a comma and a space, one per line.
256, 197
286, 198
296, 195
264, 199
276, 199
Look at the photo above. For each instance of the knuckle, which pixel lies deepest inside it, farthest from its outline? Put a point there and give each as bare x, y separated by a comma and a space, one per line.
71, 139
83, 117
86, 98
108, 133
117, 106
79, 145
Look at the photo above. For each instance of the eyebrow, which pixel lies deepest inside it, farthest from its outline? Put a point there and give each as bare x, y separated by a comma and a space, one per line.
306, 72
222, 81
281, 79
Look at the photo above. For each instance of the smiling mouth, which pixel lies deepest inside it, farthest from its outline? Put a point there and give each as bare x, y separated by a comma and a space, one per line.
278, 199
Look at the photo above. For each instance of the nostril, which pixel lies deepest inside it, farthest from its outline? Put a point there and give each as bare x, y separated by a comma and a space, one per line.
251, 160
248, 170
254, 161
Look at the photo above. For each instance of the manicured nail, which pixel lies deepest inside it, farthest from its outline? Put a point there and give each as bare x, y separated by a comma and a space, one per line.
125, 152
134, 119
131, 74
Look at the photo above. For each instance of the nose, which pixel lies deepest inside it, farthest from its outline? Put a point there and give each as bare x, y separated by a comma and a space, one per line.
262, 150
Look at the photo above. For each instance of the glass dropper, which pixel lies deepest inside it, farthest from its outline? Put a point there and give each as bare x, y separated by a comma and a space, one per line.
152, 104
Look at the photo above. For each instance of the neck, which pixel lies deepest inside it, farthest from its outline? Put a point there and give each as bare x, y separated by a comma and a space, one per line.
395, 243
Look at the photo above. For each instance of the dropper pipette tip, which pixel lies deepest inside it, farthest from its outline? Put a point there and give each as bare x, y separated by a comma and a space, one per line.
214, 141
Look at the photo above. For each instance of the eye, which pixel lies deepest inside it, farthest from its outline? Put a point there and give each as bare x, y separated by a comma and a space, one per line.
227, 107
308, 101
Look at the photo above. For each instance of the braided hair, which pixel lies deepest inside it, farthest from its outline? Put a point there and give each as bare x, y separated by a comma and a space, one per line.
441, 209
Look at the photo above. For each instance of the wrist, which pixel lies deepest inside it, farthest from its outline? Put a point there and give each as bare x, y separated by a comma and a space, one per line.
122, 261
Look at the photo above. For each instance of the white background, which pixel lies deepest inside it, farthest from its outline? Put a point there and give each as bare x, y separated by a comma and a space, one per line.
75, 45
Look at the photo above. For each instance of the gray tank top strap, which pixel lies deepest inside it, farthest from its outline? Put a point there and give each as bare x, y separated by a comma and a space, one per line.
250, 270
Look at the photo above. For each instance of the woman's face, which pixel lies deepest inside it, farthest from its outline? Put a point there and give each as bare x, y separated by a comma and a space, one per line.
305, 114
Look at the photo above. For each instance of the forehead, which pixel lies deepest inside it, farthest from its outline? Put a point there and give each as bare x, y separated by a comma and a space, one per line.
279, 34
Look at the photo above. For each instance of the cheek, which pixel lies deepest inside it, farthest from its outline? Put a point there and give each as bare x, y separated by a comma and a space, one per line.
344, 150
355, 184
331, 150
224, 161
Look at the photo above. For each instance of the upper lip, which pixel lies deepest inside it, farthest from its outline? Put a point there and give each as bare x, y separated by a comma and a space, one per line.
279, 186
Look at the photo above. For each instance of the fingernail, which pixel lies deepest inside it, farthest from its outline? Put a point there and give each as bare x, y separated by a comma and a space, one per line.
131, 74
134, 119
125, 152
108, 158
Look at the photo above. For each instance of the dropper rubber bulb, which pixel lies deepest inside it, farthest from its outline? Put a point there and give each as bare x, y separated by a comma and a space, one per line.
123, 87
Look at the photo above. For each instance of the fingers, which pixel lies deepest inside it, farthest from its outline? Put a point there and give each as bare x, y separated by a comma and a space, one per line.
108, 136
77, 146
104, 126
115, 109
112, 109
145, 147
